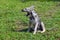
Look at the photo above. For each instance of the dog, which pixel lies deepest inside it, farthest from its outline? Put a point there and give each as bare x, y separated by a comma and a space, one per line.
34, 20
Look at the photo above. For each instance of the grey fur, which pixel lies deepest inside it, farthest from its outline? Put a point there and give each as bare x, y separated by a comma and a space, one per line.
34, 20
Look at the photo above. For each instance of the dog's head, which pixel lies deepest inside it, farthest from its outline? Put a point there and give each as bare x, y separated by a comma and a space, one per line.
28, 10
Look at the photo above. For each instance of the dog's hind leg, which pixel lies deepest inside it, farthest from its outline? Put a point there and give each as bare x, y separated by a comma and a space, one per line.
42, 27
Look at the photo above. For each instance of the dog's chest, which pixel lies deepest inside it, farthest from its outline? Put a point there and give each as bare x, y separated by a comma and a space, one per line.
32, 19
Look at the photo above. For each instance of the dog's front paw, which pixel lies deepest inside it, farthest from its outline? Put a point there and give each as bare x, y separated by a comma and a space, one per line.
34, 33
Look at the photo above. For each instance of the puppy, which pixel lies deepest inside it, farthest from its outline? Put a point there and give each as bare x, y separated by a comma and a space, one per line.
34, 20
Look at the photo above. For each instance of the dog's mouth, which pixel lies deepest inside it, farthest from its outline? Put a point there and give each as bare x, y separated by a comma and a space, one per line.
25, 14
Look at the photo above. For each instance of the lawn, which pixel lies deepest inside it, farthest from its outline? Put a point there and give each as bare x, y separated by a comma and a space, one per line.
12, 20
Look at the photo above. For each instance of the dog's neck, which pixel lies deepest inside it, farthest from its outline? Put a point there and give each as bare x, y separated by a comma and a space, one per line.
32, 14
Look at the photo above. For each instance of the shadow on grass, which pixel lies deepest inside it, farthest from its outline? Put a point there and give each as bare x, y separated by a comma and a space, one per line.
23, 30
38, 0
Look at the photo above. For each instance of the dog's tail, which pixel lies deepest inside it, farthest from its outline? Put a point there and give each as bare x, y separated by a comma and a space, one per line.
42, 27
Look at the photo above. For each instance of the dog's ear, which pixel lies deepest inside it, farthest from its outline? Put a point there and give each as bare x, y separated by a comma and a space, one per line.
32, 7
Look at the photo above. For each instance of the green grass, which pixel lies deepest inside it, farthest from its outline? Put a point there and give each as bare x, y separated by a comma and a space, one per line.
11, 18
